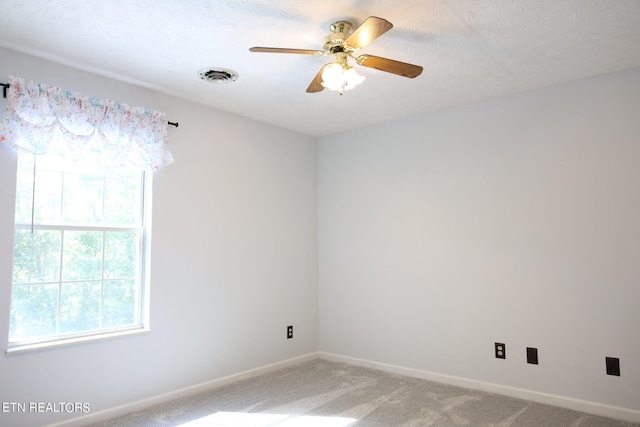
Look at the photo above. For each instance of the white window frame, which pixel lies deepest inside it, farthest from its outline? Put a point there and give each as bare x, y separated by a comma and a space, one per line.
142, 315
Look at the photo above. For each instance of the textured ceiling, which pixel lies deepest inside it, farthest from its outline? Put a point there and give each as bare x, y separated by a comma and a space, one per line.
470, 50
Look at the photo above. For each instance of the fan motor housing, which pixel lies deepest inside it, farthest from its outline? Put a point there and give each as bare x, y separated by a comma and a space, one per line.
334, 42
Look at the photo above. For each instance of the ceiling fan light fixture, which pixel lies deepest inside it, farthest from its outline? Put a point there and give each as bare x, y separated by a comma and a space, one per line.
342, 43
338, 78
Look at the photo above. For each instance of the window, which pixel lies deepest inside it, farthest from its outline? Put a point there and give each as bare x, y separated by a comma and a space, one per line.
80, 245
82, 216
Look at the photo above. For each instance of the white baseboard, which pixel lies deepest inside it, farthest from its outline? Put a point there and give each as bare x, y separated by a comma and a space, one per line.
533, 396
177, 394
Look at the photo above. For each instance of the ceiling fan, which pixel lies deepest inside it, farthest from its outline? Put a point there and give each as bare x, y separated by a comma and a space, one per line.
342, 43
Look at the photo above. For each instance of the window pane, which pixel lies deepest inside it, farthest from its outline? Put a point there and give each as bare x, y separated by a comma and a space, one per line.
48, 197
82, 199
33, 311
82, 255
122, 201
121, 255
79, 307
46, 204
119, 303
80, 270
25, 160
36, 256
24, 195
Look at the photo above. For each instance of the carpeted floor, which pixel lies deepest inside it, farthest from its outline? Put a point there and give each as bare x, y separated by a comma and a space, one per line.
321, 393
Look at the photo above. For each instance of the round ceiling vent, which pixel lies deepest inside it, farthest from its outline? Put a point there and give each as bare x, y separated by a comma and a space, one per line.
218, 75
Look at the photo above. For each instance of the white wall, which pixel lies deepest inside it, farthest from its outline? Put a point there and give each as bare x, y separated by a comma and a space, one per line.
514, 220
233, 259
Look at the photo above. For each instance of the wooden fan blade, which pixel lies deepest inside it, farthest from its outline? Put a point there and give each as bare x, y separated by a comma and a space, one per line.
390, 66
285, 50
372, 28
316, 83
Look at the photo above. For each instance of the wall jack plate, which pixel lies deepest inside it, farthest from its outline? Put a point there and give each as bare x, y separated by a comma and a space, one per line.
289, 332
501, 351
613, 366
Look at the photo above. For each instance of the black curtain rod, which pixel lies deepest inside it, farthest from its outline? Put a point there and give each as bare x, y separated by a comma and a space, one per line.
6, 86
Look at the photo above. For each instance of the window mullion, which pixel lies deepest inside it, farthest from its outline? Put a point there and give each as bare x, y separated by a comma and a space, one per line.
77, 228
101, 306
60, 264
62, 182
104, 241
60, 272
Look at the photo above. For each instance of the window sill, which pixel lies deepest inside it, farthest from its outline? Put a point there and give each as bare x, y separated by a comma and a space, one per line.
21, 348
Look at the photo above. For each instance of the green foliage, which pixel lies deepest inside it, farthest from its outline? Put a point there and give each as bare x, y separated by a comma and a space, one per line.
79, 307
122, 204
82, 255
33, 311
76, 271
121, 255
119, 303
36, 256
82, 202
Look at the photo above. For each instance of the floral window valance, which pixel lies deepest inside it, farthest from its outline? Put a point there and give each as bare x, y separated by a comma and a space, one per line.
42, 119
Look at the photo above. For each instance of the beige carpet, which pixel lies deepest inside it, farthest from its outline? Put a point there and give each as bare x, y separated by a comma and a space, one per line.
320, 393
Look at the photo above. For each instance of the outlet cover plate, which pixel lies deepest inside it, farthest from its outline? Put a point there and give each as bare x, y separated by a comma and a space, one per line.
613, 366
501, 351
